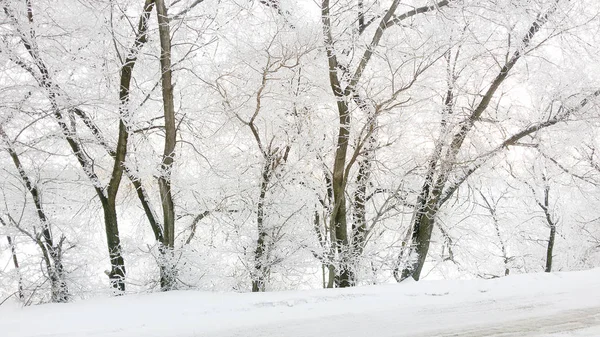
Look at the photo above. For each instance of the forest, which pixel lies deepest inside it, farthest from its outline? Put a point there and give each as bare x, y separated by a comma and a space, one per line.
252, 146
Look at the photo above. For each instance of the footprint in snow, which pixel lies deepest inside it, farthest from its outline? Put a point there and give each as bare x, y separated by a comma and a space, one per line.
438, 294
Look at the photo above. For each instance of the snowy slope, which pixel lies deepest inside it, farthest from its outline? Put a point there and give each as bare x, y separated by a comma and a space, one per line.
560, 304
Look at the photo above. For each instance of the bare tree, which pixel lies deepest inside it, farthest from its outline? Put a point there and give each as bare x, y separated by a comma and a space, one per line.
52, 249
437, 187
491, 206
273, 158
64, 116
543, 203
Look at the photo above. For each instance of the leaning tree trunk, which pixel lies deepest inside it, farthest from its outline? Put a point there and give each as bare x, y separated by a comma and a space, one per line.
423, 216
118, 272
421, 238
119, 155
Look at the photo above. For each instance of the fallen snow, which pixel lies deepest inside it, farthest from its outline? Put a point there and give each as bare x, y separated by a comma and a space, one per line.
559, 304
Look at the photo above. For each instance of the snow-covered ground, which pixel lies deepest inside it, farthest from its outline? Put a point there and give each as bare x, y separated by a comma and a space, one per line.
559, 304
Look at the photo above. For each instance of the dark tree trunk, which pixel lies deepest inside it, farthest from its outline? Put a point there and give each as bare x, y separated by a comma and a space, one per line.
421, 238
117, 272
551, 224
550, 249
168, 271
338, 218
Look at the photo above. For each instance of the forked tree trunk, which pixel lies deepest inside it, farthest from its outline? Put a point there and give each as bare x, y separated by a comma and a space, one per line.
338, 213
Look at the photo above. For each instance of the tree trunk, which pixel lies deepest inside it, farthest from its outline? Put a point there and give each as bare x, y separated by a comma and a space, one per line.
13, 252
60, 290
168, 279
261, 267
505, 257
359, 225
421, 239
117, 273
167, 268
421, 225
550, 249
551, 223
338, 214
338, 224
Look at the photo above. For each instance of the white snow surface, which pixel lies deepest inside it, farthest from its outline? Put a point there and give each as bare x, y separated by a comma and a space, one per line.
557, 304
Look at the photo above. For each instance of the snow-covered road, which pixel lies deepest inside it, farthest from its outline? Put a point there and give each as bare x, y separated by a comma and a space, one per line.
561, 304
581, 322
